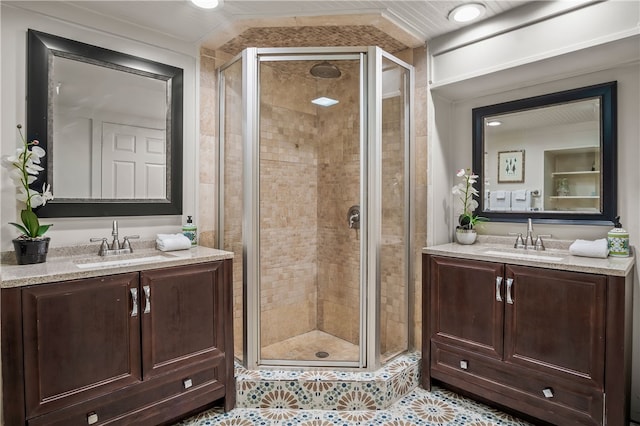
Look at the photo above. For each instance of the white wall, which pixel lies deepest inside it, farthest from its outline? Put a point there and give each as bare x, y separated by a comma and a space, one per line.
451, 128
111, 35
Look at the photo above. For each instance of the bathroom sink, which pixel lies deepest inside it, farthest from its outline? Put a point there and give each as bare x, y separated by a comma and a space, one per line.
525, 255
123, 262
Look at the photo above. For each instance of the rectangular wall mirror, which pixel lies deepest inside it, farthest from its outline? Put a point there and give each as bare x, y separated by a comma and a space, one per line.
111, 124
550, 157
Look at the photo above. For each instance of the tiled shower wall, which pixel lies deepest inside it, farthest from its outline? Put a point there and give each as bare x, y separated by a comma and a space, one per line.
338, 190
327, 301
288, 203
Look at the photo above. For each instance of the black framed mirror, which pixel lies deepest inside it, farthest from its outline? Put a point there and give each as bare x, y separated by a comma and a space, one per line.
551, 158
111, 125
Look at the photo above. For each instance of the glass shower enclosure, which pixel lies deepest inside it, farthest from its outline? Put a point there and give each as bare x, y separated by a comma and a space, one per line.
314, 202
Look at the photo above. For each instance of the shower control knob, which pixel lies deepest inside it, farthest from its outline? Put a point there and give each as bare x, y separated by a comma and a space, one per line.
353, 217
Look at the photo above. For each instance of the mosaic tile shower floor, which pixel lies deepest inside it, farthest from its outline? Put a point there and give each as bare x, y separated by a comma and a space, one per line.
418, 408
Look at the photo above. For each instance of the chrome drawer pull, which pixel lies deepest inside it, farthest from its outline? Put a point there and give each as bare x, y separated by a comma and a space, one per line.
92, 418
498, 284
147, 299
509, 284
547, 392
464, 364
134, 301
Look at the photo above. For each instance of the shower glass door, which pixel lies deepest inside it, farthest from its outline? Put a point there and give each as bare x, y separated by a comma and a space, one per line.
310, 192
315, 150
394, 232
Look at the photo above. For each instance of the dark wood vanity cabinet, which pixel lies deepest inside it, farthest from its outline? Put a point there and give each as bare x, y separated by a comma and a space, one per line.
138, 348
551, 344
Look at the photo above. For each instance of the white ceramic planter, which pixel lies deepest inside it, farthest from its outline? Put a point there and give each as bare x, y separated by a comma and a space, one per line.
466, 236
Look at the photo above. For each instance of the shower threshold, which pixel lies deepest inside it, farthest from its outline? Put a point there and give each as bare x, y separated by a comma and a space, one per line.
315, 389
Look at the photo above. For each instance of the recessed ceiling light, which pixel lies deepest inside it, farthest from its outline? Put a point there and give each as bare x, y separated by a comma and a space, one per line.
206, 4
494, 123
467, 12
324, 101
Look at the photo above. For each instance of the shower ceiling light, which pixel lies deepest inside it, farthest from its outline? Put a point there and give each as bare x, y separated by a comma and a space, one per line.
324, 101
467, 12
207, 4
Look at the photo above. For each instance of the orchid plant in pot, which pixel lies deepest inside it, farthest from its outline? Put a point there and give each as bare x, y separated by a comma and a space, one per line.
467, 220
32, 246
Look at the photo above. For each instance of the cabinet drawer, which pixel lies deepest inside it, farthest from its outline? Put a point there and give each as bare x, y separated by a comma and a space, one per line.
543, 396
143, 402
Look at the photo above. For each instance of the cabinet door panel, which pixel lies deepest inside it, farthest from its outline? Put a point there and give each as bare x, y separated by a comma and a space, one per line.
182, 323
80, 340
464, 307
556, 323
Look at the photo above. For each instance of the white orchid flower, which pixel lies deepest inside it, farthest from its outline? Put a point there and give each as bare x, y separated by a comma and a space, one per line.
40, 199
24, 168
33, 169
37, 151
46, 192
467, 192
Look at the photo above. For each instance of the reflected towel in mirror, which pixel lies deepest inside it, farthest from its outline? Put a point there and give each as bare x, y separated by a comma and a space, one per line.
520, 194
521, 200
500, 204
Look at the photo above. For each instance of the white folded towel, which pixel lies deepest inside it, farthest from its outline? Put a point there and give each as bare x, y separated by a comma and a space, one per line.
170, 242
500, 204
521, 200
586, 248
520, 194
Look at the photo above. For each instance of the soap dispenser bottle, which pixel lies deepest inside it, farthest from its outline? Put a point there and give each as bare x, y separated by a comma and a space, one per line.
618, 240
190, 230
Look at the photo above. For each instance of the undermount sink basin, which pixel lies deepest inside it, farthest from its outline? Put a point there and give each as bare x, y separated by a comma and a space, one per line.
123, 262
519, 255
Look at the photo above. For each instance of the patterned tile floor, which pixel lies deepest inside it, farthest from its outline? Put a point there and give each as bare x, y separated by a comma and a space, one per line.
418, 408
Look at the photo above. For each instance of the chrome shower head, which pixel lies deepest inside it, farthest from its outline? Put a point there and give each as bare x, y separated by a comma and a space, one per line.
325, 70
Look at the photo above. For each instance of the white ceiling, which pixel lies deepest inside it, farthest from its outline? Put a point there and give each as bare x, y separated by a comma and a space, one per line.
183, 21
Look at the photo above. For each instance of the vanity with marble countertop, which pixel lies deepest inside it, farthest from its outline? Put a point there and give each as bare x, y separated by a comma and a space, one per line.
545, 333
141, 338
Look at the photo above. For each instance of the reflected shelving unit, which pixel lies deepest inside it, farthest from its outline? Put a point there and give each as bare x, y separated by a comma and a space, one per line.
572, 179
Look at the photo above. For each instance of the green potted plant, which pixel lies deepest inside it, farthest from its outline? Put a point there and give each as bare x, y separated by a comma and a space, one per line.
31, 246
467, 220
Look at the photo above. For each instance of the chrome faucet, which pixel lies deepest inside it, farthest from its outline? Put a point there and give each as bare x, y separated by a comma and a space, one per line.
115, 244
116, 247
528, 242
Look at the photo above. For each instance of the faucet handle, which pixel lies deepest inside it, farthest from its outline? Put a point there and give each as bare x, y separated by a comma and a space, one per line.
519, 240
539, 245
126, 244
103, 247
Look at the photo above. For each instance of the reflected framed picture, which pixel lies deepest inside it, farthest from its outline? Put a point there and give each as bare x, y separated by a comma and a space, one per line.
511, 166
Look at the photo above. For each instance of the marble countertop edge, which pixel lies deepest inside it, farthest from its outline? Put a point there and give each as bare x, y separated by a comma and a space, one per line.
556, 256
63, 265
